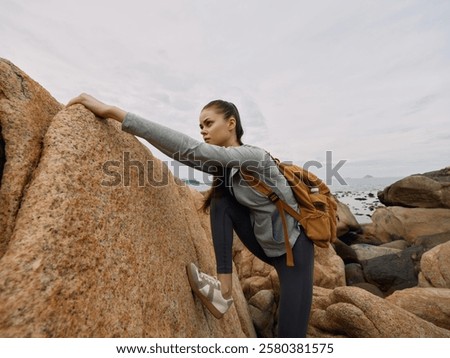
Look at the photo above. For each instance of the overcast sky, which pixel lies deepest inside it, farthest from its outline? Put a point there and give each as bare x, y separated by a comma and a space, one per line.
367, 80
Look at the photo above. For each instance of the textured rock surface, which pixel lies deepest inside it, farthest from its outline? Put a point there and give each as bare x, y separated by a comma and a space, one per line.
354, 274
347, 221
345, 252
430, 241
394, 271
431, 304
26, 110
329, 269
263, 311
397, 244
354, 312
86, 258
431, 190
435, 267
393, 223
367, 252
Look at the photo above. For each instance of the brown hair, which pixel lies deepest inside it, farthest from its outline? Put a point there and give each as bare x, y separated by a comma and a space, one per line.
228, 110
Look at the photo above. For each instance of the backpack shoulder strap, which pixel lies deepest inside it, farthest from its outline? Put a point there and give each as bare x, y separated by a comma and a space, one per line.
265, 190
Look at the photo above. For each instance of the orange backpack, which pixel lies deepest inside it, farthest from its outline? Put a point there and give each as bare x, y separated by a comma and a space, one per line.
317, 207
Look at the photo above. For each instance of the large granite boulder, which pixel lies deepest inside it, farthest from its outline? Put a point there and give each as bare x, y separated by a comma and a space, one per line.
347, 221
435, 267
354, 312
367, 252
410, 224
395, 271
96, 230
429, 190
431, 304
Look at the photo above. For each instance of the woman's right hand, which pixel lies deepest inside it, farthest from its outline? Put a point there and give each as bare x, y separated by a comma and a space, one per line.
100, 109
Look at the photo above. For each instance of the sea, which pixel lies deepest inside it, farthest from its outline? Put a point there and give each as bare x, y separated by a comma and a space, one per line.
361, 195
366, 184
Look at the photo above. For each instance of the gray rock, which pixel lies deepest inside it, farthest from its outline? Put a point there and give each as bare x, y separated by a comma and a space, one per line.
395, 271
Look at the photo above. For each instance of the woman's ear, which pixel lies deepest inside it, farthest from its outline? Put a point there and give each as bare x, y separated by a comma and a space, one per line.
231, 123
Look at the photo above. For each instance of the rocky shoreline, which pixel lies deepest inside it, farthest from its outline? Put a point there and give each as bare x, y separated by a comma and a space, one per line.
399, 256
361, 203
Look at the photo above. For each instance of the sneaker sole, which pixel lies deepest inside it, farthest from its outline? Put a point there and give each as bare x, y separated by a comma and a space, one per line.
214, 311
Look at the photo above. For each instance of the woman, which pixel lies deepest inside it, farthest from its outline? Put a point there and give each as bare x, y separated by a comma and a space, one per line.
233, 205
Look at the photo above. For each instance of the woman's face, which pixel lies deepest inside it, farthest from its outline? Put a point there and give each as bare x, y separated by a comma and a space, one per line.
215, 129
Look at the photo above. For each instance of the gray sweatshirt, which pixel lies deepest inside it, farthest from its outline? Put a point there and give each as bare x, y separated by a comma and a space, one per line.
264, 215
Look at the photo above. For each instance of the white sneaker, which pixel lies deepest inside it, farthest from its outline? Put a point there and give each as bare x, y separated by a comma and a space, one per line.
207, 288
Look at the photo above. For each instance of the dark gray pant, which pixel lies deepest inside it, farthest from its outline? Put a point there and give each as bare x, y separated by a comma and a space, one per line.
296, 283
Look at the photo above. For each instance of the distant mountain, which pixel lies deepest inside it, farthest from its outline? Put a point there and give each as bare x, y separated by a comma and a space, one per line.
368, 176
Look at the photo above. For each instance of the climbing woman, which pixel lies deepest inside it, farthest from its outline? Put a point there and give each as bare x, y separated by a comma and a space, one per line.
234, 205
